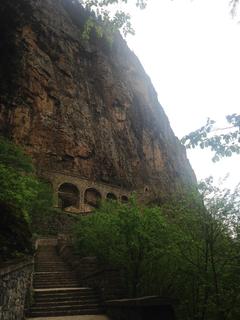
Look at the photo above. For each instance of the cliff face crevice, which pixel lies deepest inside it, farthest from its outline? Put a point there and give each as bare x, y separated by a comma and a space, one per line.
83, 108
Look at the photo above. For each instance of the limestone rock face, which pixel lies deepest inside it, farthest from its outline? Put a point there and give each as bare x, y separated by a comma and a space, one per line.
80, 107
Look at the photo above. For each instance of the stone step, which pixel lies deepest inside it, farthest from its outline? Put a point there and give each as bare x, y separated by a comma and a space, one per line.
46, 259
61, 285
62, 265
60, 275
56, 288
56, 273
51, 263
51, 270
50, 277
53, 266
58, 300
39, 283
56, 284
66, 302
42, 279
51, 284
69, 296
53, 280
56, 279
58, 313
83, 290
53, 275
41, 262
64, 307
50, 294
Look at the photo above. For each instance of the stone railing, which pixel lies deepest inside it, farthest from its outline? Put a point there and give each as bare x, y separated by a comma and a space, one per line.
15, 288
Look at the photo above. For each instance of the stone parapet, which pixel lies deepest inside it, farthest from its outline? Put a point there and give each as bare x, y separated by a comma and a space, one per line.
143, 308
15, 288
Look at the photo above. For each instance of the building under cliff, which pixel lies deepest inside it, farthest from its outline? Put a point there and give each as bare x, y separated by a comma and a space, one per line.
85, 111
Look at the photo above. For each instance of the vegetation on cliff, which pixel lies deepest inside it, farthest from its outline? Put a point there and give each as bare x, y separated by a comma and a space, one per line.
181, 250
107, 21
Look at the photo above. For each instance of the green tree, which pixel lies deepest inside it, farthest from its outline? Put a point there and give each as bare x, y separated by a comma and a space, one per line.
18, 182
22, 195
206, 247
124, 236
181, 250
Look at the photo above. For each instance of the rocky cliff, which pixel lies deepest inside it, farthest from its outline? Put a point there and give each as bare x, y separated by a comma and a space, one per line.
80, 107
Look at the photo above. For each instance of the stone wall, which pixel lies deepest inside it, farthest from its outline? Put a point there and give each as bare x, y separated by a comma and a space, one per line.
15, 288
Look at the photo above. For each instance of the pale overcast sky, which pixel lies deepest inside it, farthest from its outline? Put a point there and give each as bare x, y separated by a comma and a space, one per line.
191, 51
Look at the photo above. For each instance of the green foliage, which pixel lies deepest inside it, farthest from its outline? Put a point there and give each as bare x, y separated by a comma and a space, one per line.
17, 188
123, 235
106, 22
181, 250
18, 184
12, 156
207, 254
43, 200
22, 195
221, 143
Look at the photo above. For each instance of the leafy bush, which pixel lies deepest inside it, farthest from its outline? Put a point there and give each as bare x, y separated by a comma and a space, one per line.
22, 196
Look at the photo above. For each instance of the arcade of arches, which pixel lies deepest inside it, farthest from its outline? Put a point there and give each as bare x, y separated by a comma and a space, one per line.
69, 198
79, 195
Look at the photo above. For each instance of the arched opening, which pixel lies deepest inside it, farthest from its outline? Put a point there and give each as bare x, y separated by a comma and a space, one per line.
92, 197
111, 196
68, 196
124, 199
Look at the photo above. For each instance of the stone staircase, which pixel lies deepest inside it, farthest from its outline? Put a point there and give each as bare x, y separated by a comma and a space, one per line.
57, 291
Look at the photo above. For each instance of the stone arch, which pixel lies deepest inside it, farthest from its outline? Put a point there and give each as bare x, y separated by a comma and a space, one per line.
146, 189
92, 197
68, 196
124, 199
111, 196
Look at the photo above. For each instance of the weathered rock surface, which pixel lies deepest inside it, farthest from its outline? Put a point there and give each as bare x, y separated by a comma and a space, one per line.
85, 108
